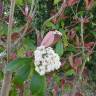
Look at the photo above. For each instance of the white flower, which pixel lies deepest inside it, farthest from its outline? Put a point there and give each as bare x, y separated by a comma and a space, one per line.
2, 54
46, 60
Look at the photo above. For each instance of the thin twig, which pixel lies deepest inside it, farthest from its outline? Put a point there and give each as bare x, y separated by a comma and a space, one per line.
76, 82
83, 50
26, 26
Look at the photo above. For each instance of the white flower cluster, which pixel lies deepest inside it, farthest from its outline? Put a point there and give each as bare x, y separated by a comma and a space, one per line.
2, 54
46, 60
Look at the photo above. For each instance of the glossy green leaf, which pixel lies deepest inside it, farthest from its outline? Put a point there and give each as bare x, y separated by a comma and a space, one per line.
19, 2
62, 24
13, 92
67, 88
29, 44
65, 39
71, 48
59, 48
1, 75
20, 52
56, 26
70, 72
94, 33
3, 28
38, 85
49, 24
27, 92
64, 36
17, 64
22, 74
56, 1
56, 78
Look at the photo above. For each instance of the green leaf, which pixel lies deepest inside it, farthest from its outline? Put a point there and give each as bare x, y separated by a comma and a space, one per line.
56, 78
1, 49
67, 88
64, 37
56, 1
49, 24
62, 24
56, 26
21, 67
93, 33
22, 74
65, 40
13, 92
19, 2
1, 75
38, 85
3, 28
29, 44
20, 52
59, 48
71, 48
17, 64
70, 72
27, 92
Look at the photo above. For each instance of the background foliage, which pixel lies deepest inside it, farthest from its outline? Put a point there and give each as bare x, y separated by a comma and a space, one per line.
25, 81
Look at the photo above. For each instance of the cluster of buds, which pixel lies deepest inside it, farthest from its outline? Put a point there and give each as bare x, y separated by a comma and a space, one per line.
46, 60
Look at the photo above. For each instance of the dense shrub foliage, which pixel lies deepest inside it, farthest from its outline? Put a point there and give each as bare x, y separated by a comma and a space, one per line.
47, 47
